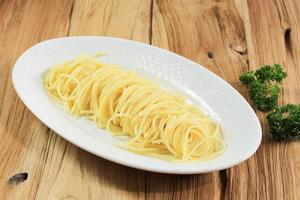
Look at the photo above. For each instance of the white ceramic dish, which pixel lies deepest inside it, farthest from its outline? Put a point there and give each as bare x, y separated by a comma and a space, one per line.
242, 130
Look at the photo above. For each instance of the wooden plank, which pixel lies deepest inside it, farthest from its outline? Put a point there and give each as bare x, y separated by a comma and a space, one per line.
90, 176
23, 139
56, 168
272, 37
212, 34
127, 19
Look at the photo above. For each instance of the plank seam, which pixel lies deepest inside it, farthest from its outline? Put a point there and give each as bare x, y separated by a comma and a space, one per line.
150, 22
70, 17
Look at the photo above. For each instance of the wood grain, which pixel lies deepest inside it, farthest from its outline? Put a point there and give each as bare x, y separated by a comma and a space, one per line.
228, 37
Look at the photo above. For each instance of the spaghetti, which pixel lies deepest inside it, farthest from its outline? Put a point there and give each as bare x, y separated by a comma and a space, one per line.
158, 123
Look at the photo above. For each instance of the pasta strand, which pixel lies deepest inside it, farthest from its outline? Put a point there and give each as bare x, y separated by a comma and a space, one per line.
158, 123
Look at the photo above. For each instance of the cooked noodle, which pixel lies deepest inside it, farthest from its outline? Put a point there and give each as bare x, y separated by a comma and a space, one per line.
159, 123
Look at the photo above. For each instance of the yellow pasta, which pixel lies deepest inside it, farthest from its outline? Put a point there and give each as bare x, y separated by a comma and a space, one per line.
158, 123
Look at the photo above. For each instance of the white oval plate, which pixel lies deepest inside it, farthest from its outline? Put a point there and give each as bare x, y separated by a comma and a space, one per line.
242, 130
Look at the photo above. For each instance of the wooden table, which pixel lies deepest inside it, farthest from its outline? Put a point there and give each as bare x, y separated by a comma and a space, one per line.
228, 37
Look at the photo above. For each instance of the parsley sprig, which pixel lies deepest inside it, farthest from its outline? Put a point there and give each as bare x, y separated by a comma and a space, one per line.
264, 85
284, 122
264, 90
